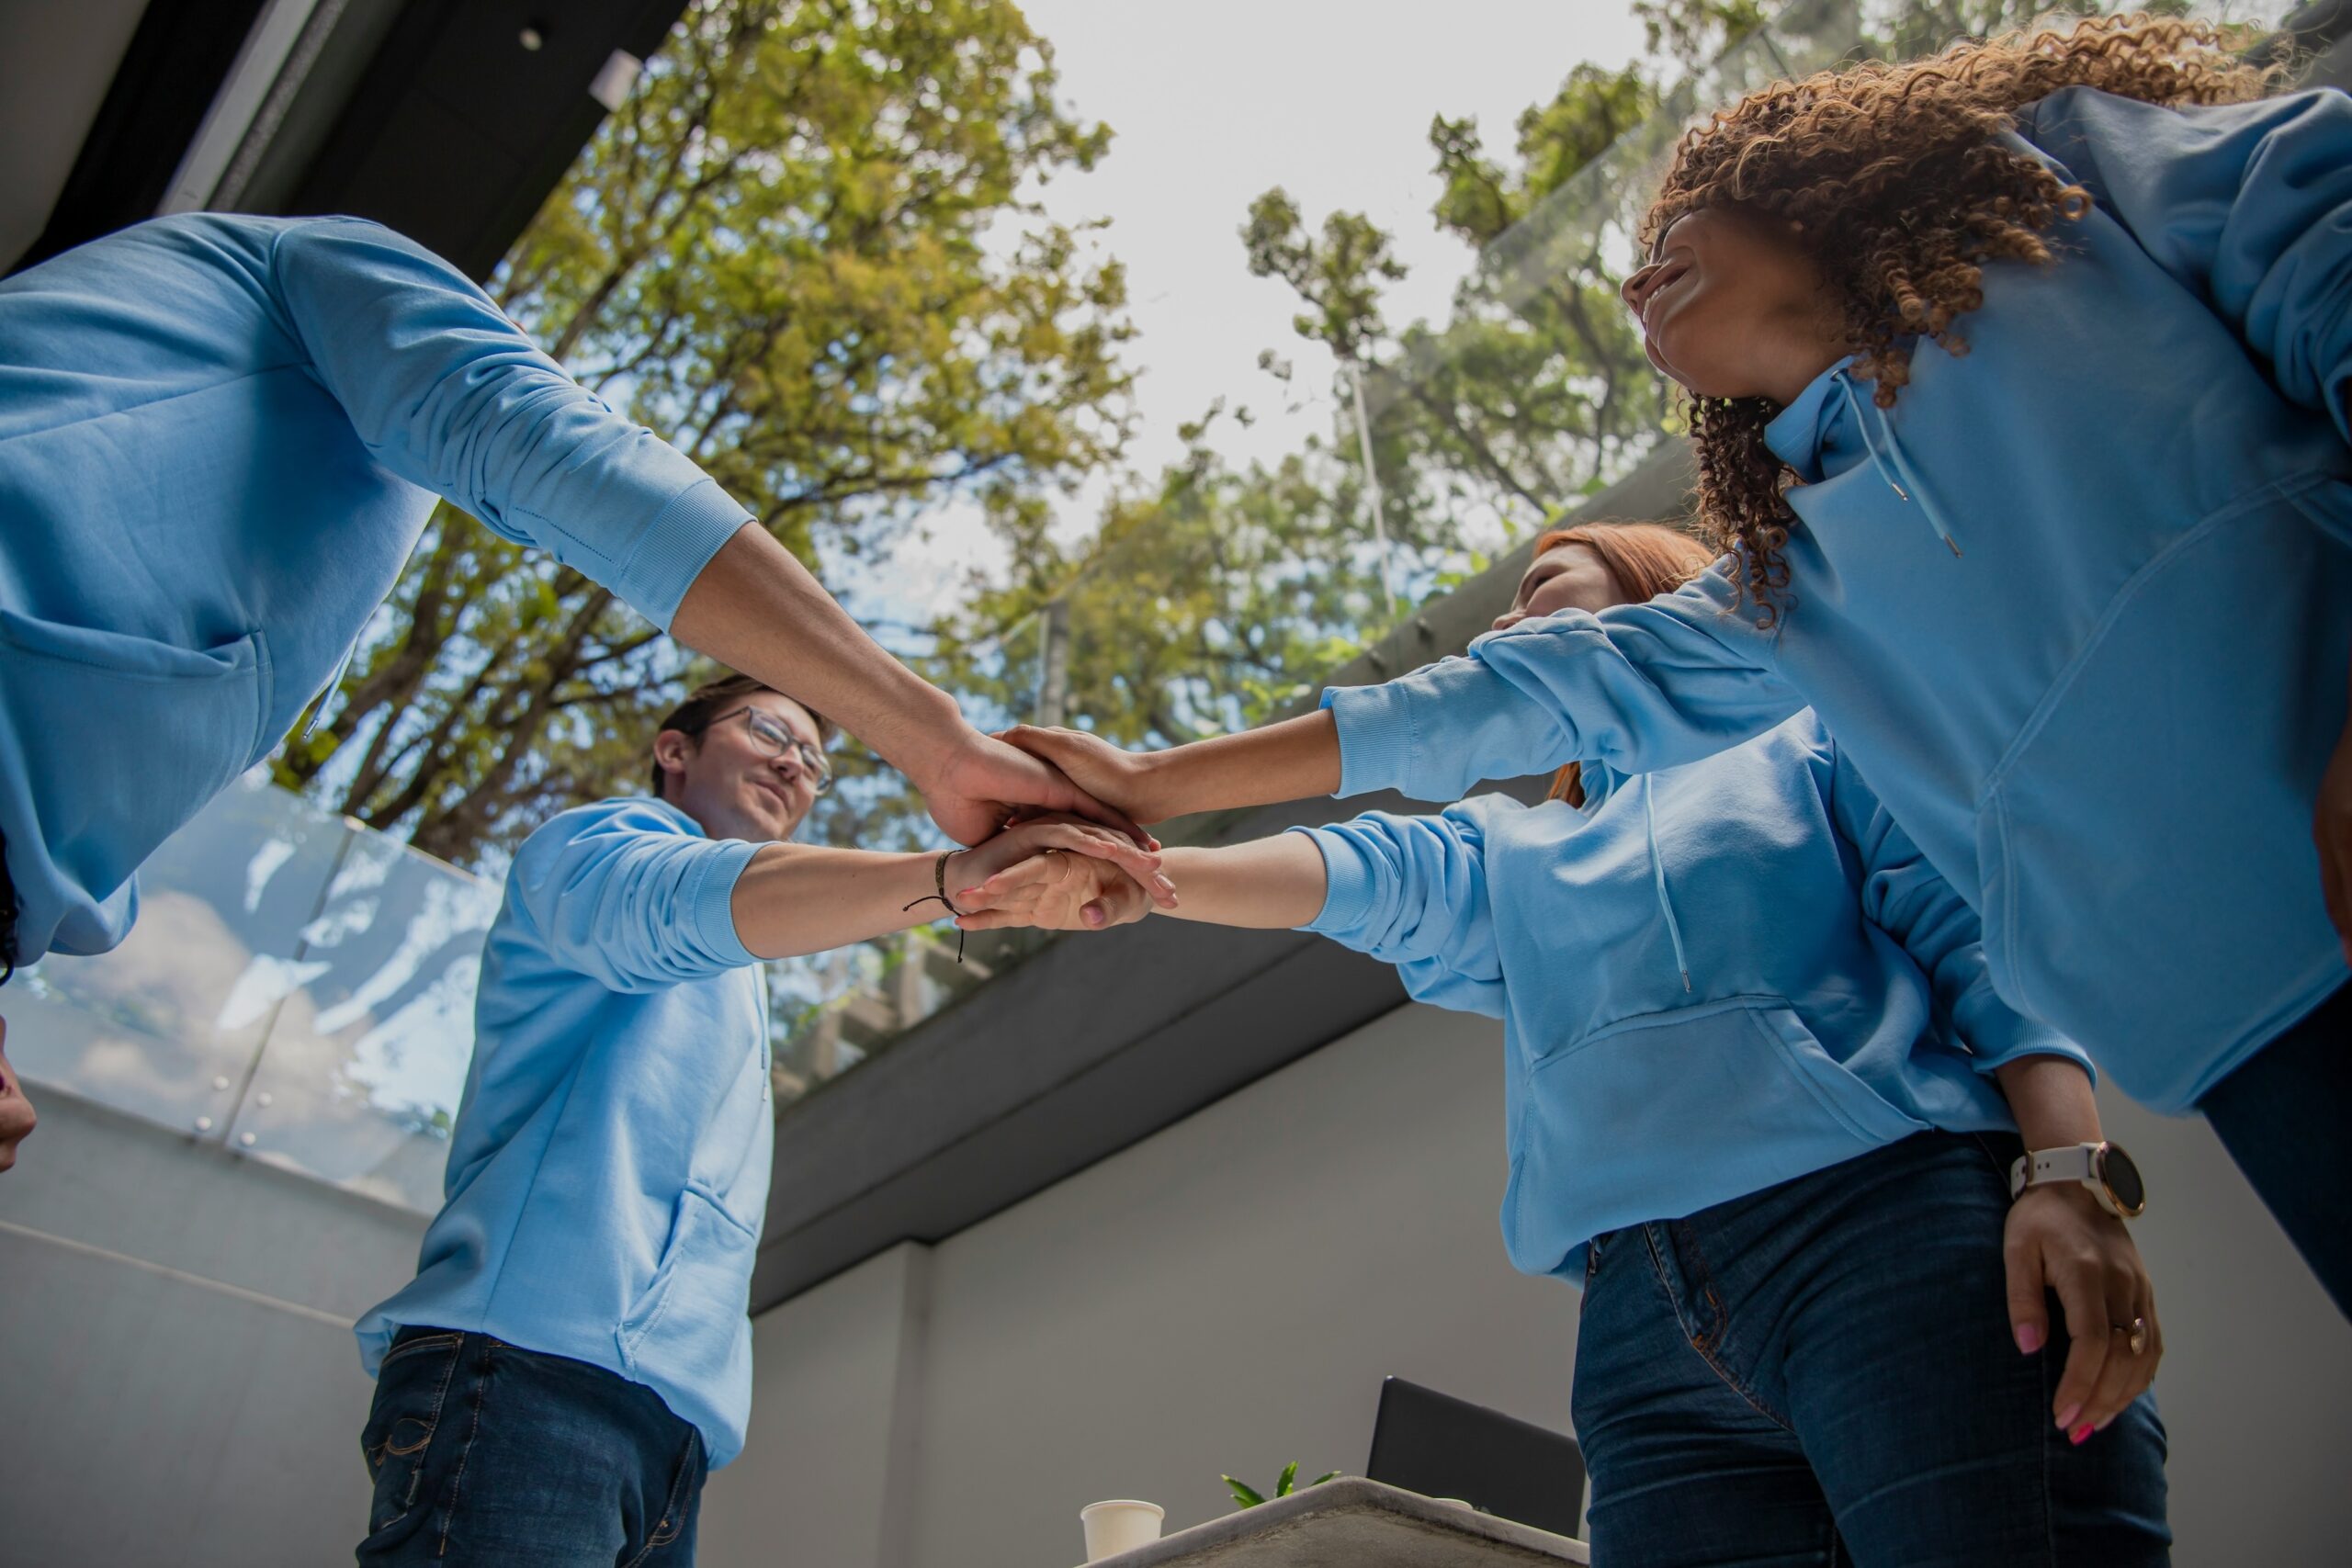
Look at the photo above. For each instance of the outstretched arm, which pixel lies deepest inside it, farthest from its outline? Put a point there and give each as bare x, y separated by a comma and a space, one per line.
1290, 761
453, 398
755, 608
1409, 890
1273, 884
1638, 686
615, 892
799, 898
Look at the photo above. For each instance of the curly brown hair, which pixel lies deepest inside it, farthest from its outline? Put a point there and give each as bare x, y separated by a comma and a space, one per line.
1901, 193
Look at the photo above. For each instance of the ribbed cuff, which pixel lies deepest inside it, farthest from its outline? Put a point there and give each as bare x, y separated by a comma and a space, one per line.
712, 906
2005, 1042
1376, 736
676, 545
1347, 883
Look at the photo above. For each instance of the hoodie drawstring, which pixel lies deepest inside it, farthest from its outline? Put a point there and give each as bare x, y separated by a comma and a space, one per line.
1899, 463
1658, 872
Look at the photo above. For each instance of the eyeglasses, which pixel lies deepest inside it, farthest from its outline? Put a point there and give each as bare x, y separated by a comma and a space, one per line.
771, 739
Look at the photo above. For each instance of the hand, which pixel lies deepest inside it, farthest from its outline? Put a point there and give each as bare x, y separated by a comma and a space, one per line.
2332, 830
17, 1117
1121, 778
985, 783
1059, 875
1053, 891
2058, 1239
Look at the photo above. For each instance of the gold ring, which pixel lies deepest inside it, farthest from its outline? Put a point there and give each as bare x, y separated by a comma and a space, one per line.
2136, 1334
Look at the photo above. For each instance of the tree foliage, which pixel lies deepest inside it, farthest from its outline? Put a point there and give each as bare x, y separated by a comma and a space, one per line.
1217, 596
807, 249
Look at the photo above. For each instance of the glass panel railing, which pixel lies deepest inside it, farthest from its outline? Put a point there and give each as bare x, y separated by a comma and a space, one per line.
168, 1026
298, 989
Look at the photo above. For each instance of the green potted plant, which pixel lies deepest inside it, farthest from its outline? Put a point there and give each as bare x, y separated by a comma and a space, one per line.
1250, 1497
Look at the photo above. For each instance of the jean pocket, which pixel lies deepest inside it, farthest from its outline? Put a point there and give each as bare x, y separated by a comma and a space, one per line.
412, 1390
684, 1496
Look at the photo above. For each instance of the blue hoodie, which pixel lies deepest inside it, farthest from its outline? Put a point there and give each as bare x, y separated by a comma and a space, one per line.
608, 1170
2103, 707
1711, 979
219, 438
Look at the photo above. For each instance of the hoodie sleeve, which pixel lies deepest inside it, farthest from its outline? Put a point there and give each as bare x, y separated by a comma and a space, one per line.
618, 893
1909, 900
450, 395
1411, 891
2248, 205
1638, 686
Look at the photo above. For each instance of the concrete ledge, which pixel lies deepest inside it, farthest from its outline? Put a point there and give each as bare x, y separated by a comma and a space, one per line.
1354, 1523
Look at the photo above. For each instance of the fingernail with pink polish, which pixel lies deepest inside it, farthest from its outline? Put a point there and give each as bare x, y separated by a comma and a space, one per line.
2081, 1434
2029, 1337
2066, 1416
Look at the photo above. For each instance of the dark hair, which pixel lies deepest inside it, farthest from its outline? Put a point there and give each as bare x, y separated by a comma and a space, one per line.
1904, 193
712, 698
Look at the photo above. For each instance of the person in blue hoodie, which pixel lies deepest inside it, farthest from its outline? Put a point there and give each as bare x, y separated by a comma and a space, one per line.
1754, 1094
573, 1355
221, 437
2019, 382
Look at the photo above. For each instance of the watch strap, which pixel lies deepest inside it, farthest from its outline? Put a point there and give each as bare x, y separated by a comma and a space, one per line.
2070, 1162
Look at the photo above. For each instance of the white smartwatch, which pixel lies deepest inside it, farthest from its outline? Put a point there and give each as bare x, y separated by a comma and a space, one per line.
2105, 1168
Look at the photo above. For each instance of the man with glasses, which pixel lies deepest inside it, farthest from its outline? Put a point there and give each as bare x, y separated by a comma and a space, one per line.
573, 1352
219, 439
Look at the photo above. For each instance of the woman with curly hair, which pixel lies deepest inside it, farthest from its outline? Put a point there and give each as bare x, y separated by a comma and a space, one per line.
2019, 380
1765, 1148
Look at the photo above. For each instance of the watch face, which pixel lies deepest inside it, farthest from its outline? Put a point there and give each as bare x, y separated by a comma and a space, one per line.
2123, 1179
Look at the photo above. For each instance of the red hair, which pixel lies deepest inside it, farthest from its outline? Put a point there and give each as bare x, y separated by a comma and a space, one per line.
1646, 559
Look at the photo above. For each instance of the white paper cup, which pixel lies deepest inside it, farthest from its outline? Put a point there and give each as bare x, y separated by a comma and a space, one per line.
1119, 1525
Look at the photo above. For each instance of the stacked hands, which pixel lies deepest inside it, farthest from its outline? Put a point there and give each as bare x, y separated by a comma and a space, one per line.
1057, 872
1062, 873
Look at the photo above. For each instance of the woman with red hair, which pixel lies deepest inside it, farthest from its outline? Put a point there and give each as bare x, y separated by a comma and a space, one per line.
1762, 1101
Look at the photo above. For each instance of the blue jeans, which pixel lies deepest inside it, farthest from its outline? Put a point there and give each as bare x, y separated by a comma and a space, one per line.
483, 1454
2283, 1116
1822, 1373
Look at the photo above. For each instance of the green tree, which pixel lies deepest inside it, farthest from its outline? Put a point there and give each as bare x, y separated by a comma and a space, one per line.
1214, 597
807, 249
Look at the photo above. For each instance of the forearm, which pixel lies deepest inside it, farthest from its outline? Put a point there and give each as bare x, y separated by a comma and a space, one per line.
755, 608
1268, 883
2050, 1098
799, 898
1294, 759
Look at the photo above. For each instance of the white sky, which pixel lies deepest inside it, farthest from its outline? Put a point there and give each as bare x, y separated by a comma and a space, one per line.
1213, 101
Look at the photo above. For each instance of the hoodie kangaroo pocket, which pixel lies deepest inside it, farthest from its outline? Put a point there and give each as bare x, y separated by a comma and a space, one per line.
121, 739
1615, 1122
691, 1326
2146, 876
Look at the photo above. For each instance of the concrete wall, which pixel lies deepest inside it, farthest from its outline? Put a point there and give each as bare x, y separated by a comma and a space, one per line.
177, 1379
179, 1385
1227, 1295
